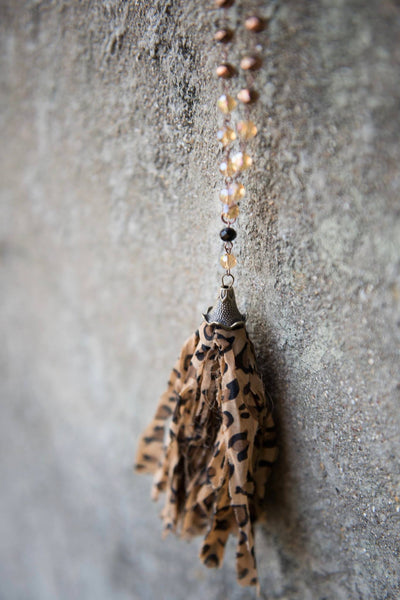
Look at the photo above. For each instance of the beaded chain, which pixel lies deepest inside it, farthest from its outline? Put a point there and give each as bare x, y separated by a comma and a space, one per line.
234, 163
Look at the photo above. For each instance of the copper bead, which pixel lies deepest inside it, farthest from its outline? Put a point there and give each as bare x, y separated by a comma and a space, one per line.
247, 96
250, 63
255, 24
223, 35
226, 71
224, 3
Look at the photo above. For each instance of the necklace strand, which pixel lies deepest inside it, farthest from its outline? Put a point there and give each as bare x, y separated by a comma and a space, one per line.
234, 163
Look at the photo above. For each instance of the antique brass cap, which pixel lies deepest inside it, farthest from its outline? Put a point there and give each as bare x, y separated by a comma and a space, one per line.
225, 312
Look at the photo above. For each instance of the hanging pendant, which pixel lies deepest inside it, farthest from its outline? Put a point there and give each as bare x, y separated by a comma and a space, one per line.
212, 443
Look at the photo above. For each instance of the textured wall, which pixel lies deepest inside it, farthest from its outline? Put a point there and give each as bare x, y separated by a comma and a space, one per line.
109, 243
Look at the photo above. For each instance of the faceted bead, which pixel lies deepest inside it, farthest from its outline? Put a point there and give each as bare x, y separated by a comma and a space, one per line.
232, 193
230, 212
226, 136
226, 103
241, 161
228, 261
246, 129
227, 234
227, 168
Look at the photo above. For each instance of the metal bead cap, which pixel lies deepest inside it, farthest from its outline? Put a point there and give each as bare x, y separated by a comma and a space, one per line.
225, 312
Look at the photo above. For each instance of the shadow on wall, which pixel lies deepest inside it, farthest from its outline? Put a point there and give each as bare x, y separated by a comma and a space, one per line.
283, 532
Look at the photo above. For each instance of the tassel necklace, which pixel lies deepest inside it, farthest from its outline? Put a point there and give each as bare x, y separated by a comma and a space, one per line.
211, 443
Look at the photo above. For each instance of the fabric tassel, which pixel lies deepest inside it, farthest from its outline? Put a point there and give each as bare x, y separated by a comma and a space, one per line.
213, 461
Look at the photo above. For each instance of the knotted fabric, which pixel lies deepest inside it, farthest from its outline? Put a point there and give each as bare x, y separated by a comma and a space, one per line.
211, 446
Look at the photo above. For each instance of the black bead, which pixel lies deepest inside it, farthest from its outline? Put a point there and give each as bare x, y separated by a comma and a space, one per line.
227, 234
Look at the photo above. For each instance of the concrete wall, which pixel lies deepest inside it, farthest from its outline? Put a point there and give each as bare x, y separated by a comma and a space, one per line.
109, 243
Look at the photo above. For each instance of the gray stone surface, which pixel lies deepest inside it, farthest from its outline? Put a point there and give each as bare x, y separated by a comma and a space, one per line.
109, 253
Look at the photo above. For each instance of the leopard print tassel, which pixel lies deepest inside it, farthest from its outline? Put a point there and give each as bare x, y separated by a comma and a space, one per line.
219, 447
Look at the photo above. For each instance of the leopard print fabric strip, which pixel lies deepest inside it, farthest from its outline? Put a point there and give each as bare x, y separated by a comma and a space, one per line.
213, 461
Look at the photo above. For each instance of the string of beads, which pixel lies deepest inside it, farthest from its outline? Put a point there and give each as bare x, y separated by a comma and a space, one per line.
235, 163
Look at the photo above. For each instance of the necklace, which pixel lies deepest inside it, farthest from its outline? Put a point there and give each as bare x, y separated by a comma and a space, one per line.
211, 443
